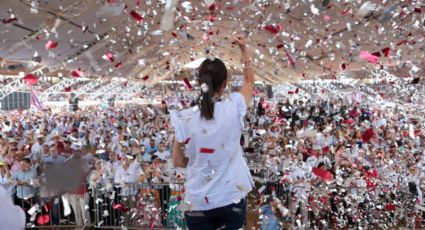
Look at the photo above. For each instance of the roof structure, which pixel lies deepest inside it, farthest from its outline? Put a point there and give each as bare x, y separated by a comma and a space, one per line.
148, 41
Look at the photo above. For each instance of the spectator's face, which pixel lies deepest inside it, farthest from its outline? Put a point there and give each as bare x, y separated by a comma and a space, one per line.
162, 146
124, 149
45, 149
152, 143
25, 166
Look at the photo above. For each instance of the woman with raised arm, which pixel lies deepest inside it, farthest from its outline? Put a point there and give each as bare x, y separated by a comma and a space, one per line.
207, 143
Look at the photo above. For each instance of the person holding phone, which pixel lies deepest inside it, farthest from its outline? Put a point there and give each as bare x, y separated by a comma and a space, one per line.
218, 178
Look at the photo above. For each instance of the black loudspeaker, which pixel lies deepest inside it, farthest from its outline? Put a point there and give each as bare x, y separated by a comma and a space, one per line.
73, 104
16, 100
269, 91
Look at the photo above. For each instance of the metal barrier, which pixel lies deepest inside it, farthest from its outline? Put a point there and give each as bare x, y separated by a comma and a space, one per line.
135, 206
156, 206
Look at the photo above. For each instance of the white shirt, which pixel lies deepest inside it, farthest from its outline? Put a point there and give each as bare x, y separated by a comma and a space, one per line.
11, 216
36, 149
220, 178
164, 155
126, 176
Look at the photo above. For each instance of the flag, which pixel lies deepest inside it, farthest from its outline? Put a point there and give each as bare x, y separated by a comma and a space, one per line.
36, 102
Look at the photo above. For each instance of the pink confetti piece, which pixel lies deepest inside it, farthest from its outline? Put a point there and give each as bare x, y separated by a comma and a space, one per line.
51, 44
369, 57
205, 37
212, 18
109, 57
290, 60
326, 18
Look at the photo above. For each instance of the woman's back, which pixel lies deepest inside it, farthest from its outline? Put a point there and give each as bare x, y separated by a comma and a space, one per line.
217, 173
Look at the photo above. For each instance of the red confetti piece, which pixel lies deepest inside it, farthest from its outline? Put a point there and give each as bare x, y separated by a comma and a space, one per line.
30, 79
401, 42
324, 174
206, 200
343, 66
51, 44
187, 84
136, 16
386, 51
174, 34
280, 46
297, 90
345, 12
367, 135
10, 20
418, 10
273, 29
38, 37
325, 149
187, 141
212, 7
145, 78
109, 57
77, 73
119, 65
68, 89
230, 8
207, 150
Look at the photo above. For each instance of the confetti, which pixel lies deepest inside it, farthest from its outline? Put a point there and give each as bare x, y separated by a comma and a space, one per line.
51, 44
369, 57
207, 150
30, 79
109, 57
136, 16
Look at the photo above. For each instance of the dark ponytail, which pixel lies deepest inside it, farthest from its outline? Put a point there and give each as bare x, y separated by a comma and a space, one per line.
212, 76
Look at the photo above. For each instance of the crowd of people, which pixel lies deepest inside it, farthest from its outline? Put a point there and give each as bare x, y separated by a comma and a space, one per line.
89, 164
317, 163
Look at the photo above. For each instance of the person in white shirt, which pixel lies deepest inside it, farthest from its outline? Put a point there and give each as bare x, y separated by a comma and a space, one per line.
162, 153
36, 147
218, 178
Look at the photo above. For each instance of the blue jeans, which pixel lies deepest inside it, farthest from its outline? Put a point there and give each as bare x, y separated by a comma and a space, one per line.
230, 217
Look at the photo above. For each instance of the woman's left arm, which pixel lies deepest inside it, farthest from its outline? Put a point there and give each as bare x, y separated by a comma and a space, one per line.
179, 159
